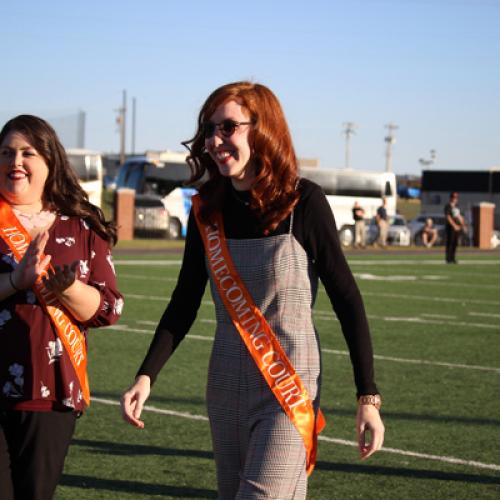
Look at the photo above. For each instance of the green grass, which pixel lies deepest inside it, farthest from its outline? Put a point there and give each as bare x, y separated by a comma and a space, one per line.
419, 309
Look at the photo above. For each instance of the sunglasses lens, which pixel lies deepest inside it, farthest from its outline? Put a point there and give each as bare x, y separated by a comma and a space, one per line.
228, 127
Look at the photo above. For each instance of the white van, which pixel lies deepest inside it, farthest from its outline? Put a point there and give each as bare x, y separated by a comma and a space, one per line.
88, 167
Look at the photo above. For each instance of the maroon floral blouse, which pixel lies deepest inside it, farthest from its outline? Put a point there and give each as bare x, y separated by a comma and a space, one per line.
35, 371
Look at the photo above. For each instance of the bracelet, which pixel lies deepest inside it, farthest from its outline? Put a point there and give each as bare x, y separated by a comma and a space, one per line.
11, 281
371, 399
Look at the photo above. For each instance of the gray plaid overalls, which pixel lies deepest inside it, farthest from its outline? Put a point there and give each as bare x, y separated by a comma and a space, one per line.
258, 451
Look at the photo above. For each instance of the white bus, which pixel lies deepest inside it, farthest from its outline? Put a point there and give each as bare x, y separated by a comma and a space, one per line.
344, 187
88, 167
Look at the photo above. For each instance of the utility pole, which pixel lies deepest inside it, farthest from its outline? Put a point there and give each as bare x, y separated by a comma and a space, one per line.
121, 120
133, 125
428, 163
348, 131
390, 140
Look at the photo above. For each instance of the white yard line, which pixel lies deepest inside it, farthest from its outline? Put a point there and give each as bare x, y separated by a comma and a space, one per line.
486, 315
420, 361
405, 262
123, 262
206, 338
343, 442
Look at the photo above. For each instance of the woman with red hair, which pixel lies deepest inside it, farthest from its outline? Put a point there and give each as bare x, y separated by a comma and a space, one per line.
262, 236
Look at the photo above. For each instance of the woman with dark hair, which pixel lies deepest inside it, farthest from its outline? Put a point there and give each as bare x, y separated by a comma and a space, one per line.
56, 281
262, 236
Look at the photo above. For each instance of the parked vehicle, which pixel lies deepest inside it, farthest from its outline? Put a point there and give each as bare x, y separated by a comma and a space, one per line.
87, 165
346, 186
161, 179
397, 234
151, 218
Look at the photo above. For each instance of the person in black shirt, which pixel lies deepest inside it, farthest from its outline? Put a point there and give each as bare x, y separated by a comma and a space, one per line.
281, 236
455, 225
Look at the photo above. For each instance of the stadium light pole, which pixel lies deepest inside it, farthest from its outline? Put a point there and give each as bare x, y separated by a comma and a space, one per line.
390, 140
349, 129
133, 125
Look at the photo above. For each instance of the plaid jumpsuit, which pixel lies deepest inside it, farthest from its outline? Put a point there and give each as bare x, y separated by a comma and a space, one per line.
259, 454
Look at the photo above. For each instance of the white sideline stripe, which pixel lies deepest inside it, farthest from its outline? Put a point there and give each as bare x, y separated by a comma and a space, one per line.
392, 262
325, 316
439, 458
176, 262
439, 316
206, 338
420, 361
153, 409
344, 442
374, 262
145, 278
423, 279
377, 294
431, 298
488, 315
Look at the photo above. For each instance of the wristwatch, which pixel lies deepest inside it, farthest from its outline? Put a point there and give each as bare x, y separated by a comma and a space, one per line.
371, 399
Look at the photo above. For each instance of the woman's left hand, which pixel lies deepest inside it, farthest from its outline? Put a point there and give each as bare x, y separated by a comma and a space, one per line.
60, 278
370, 430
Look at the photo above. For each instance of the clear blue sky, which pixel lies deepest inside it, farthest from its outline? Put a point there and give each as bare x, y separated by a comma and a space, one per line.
430, 66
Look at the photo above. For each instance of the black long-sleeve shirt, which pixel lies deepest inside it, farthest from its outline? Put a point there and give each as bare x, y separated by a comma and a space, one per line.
314, 228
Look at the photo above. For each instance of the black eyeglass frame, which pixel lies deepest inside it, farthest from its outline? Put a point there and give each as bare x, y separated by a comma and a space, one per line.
226, 127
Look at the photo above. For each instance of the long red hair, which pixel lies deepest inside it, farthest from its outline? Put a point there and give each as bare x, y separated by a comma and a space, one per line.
274, 191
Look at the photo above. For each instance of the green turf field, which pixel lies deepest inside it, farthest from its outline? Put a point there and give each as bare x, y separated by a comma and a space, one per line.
436, 332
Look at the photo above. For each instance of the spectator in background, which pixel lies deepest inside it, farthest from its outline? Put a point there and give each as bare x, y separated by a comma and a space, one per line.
382, 223
358, 214
429, 233
454, 226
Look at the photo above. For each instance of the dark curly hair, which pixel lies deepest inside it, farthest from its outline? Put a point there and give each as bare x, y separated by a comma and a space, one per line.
274, 192
62, 192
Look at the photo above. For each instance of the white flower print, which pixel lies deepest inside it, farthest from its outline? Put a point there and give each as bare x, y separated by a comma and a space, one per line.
117, 309
69, 241
109, 258
84, 267
84, 224
4, 317
69, 401
44, 391
79, 397
105, 306
54, 350
30, 297
92, 254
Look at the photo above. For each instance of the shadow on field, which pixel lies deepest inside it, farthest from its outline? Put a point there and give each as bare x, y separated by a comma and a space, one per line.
411, 473
123, 449
118, 485
421, 417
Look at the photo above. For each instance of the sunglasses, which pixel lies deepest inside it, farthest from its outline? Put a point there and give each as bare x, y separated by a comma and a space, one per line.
226, 127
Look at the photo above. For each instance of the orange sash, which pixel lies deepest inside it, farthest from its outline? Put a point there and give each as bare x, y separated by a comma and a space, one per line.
18, 240
259, 337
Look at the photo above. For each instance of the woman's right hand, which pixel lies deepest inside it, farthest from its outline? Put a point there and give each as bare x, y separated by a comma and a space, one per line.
132, 401
31, 265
